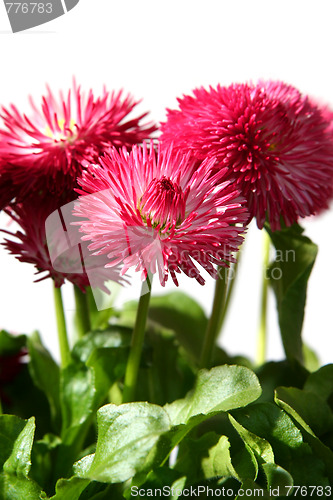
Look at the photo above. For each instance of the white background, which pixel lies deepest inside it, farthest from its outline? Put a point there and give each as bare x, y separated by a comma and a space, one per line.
157, 51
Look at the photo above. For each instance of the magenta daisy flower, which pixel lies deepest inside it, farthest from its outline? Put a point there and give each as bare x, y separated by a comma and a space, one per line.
276, 144
54, 252
47, 148
155, 212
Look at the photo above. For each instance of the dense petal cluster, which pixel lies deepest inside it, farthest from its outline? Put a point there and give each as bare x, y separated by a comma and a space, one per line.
47, 149
276, 144
156, 212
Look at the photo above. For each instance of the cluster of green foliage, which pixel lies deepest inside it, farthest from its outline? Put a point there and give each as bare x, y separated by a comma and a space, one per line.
232, 426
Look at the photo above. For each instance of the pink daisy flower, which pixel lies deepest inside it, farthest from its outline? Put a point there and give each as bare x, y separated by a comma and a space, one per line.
47, 148
275, 143
155, 212
53, 253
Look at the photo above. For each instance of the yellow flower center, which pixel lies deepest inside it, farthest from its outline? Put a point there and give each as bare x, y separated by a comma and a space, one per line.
61, 131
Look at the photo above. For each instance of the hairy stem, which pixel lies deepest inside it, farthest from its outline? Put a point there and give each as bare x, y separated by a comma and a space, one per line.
133, 363
212, 329
262, 333
82, 312
62, 330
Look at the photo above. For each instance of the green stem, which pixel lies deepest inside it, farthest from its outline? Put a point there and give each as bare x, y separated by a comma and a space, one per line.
230, 289
262, 334
62, 330
133, 363
82, 312
1, 412
212, 329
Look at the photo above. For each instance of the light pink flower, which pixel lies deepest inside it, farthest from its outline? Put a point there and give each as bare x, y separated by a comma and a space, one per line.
155, 212
275, 143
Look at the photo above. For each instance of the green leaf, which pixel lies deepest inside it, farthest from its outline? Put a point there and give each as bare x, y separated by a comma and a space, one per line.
321, 382
311, 360
11, 428
126, 435
11, 344
315, 413
45, 373
177, 486
222, 388
277, 477
18, 488
19, 462
164, 479
85, 385
42, 457
70, 489
245, 463
289, 274
288, 400
83, 489
83, 466
182, 314
137, 437
205, 458
108, 365
16, 438
101, 360
165, 375
261, 448
196, 447
277, 373
115, 336
77, 397
160, 477
291, 452
96, 491
109, 492
105, 354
